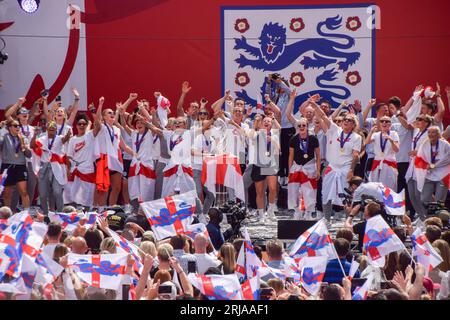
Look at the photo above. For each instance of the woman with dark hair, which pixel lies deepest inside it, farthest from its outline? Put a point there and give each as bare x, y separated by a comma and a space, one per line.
14, 169
94, 238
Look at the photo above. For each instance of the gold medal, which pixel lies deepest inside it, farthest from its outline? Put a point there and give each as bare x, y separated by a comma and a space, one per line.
305, 156
341, 151
17, 155
268, 154
382, 154
432, 166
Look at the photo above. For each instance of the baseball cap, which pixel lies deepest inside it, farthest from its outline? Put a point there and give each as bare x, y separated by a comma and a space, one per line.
430, 286
23, 111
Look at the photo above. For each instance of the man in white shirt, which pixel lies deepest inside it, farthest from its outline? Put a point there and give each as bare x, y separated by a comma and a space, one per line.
204, 260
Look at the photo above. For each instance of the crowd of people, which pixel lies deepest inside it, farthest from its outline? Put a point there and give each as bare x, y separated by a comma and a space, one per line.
78, 162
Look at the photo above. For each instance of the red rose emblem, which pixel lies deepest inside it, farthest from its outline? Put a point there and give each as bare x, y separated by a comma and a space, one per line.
297, 79
353, 78
297, 24
353, 23
241, 25
242, 79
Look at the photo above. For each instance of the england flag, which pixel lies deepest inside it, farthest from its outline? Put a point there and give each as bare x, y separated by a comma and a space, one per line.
171, 215
217, 287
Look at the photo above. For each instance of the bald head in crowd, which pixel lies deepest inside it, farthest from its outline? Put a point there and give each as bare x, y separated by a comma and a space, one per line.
79, 245
200, 243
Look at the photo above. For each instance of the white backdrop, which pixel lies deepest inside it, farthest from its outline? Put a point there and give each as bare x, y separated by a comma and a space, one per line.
328, 47
37, 44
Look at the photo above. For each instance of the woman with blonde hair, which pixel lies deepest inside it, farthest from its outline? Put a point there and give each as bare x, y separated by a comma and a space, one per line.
108, 244
227, 255
149, 248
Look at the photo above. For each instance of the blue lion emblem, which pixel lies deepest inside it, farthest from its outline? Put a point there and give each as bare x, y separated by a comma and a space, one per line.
309, 277
15, 257
105, 268
312, 244
377, 238
166, 218
273, 54
220, 293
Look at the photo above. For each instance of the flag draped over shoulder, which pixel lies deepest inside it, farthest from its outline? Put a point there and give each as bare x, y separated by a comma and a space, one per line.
379, 240
171, 215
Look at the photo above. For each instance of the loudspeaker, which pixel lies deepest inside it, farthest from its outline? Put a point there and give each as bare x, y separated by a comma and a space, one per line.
292, 229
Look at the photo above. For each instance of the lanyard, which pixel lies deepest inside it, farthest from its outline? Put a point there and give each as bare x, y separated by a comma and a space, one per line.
16, 143
304, 143
417, 138
383, 142
139, 141
110, 133
342, 141
50, 144
269, 143
62, 128
173, 144
434, 153
26, 133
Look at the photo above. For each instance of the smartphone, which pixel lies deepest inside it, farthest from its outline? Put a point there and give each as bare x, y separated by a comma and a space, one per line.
265, 293
58, 99
164, 289
192, 267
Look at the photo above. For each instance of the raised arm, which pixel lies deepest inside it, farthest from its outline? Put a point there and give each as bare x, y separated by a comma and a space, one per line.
272, 106
366, 111
369, 139
219, 103
76, 105
131, 98
98, 117
290, 108
439, 116
185, 88
13, 110
410, 102
319, 112
123, 122
338, 110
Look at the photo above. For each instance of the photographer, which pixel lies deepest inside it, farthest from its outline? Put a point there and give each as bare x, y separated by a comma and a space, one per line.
213, 227
371, 210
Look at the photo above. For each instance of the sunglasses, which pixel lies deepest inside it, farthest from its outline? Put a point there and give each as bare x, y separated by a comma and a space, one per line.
178, 122
302, 125
82, 123
14, 125
348, 120
385, 121
338, 121
110, 112
203, 113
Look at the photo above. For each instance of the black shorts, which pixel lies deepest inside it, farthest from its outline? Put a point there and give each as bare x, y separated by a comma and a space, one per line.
126, 168
16, 173
260, 174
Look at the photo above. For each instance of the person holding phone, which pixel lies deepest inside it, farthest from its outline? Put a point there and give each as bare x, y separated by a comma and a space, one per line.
14, 152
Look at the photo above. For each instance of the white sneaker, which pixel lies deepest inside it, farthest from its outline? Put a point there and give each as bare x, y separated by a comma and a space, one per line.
127, 208
261, 216
271, 212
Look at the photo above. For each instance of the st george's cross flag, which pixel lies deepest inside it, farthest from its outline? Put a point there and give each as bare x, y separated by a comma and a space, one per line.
171, 215
217, 287
48, 269
315, 241
394, 203
21, 287
195, 229
424, 251
353, 269
251, 288
127, 247
22, 236
312, 273
163, 109
360, 293
223, 170
104, 271
70, 221
379, 240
